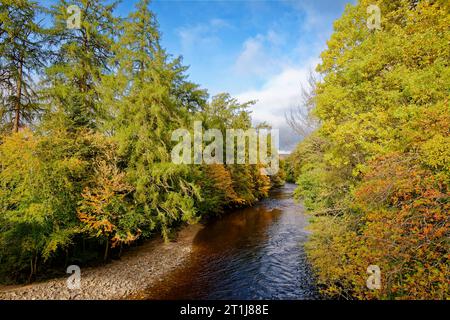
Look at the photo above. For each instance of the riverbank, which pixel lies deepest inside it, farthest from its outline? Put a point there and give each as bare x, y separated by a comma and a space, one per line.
251, 253
138, 269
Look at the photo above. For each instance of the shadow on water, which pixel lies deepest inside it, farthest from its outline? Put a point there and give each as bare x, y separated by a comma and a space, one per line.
253, 253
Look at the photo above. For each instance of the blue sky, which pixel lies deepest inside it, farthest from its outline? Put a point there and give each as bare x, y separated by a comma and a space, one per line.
255, 49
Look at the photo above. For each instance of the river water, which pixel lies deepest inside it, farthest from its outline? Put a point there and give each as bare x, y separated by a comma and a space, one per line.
252, 253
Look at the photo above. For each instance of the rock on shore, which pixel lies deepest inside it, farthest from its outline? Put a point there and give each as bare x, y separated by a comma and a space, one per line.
134, 272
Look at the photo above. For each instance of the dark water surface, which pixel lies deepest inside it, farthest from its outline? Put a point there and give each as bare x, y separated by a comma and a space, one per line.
253, 253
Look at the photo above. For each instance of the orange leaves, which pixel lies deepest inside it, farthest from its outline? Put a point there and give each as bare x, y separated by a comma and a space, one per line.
225, 186
129, 238
222, 180
103, 202
399, 220
412, 235
103, 226
385, 160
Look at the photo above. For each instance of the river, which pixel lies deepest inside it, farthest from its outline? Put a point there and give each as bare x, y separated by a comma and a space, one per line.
251, 253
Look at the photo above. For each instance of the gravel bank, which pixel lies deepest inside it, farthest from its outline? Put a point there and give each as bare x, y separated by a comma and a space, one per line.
138, 269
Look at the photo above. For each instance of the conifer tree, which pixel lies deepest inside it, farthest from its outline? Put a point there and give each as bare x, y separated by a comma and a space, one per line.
82, 54
97, 169
21, 57
145, 110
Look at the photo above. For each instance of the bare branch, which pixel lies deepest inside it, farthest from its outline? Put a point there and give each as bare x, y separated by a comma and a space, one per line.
300, 117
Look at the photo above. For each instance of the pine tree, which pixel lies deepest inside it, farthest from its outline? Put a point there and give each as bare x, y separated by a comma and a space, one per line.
22, 56
145, 109
81, 58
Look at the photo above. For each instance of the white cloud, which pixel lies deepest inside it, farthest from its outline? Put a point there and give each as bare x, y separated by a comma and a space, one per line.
280, 93
281, 67
203, 34
219, 23
275, 38
250, 59
277, 95
257, 55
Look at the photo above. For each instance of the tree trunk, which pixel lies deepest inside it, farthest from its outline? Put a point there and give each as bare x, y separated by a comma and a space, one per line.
120, 251
33, 267
106, 250
66, 262
18, 97
31, 270
35, 263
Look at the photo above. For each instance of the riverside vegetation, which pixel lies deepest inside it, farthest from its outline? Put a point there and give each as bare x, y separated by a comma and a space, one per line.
375, 171
86, 117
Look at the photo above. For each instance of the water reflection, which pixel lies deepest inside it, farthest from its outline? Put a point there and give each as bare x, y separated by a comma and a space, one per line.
253, 253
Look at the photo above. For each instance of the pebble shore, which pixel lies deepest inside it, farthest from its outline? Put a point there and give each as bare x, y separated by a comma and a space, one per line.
137, 270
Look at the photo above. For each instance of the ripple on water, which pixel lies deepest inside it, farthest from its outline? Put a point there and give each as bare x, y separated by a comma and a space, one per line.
253, 253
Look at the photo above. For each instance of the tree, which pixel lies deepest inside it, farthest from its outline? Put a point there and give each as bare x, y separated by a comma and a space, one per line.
374, 172
81, 58
145, 109
105, 209
22, 56
95, 170
300, 118
41, 179
247, 184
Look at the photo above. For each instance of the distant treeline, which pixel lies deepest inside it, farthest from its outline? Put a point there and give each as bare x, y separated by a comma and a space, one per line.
86, 117
375, 173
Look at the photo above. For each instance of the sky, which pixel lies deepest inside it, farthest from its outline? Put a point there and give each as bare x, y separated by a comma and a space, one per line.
259, 50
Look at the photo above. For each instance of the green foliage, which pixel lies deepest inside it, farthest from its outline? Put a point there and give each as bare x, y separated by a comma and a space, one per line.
41, 181
234, 184
375, 174
95, 168
105, 209
21, 56
144, 109
79, 60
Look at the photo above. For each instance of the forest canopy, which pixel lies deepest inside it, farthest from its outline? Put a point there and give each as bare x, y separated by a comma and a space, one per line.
86, 117
375, 173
